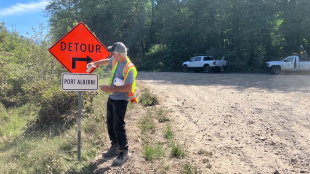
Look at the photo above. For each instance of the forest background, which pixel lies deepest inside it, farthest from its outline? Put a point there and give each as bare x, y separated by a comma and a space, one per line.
161, 34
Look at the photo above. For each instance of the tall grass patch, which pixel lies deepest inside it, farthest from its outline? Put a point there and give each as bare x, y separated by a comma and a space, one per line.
168, 134
151, 152
52, 151
15, 120
176, 150
57, 154
147, 124
46, 155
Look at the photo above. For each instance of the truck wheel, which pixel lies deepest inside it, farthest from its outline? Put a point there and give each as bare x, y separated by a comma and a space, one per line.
206, 69
275, 70
185, 68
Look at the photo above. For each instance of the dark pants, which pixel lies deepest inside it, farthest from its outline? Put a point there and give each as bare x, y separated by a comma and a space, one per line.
116, 110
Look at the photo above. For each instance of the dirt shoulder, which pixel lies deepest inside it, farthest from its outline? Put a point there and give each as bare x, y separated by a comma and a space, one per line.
252, 123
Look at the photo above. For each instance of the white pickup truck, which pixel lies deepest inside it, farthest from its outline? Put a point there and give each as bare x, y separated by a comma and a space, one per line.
291, 63
204, 63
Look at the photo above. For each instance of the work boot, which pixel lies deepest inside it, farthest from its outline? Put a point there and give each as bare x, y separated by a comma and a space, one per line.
121, 158
113, 151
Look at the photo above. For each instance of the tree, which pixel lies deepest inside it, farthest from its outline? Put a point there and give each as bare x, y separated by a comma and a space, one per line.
247, 32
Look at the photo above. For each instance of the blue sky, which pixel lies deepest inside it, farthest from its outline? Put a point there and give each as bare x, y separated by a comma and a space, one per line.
22, 15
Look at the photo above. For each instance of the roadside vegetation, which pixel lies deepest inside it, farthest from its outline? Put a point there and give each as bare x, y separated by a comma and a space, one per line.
38, 132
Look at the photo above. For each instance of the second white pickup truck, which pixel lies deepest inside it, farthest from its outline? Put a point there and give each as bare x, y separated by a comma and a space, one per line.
291, 63
204, 63
296, 62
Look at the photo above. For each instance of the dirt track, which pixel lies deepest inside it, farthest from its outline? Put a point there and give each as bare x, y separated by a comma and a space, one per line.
253, 123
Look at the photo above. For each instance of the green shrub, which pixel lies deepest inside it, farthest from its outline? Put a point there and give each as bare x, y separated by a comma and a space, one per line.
11, 91
55, 103
147, 98
149, 62
3, 114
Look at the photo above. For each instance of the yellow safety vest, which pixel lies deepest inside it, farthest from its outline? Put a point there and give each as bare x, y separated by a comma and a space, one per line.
128, 67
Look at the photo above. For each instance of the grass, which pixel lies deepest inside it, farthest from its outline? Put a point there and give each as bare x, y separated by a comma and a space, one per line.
147, 124
15, 120
177, 151
151, 152
54, 149
165, 168
189, 169
168, 134
147, 98
205, 153
51, 151
161, 115
46, 154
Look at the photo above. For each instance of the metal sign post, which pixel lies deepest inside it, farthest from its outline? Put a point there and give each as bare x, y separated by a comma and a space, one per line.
79, 124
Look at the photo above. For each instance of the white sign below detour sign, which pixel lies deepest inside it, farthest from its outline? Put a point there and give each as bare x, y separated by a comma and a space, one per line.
79, 82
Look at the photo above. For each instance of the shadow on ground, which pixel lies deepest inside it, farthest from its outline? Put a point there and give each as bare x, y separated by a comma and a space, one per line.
284, 82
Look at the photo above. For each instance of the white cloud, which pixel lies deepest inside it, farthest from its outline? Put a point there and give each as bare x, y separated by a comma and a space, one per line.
24, 8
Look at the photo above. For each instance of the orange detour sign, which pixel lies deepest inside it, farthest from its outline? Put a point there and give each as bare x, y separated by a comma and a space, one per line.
78, 48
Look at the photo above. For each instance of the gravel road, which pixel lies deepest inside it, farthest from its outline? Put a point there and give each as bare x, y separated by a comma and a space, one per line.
252, 123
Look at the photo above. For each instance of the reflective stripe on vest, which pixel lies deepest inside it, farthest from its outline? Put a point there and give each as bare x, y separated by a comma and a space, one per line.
114, 65
129, 66
114, 62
